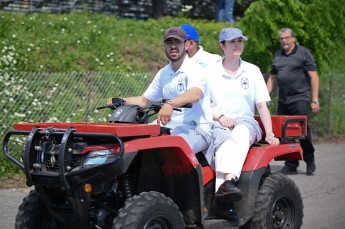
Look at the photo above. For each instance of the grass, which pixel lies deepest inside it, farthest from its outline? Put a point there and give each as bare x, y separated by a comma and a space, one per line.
86, 42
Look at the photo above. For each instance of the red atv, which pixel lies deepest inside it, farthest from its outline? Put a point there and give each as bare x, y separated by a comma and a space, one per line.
131, 174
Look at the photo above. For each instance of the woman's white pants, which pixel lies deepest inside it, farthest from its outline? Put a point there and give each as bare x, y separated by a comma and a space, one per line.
232, 153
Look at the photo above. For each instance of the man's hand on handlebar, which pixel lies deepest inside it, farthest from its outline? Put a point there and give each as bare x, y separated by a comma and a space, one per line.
164, 115
109, 101
113, 103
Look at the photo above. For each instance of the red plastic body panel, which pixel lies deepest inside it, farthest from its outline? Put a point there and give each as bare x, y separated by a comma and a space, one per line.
121, 130
261, 156
207, 174
170, 145
287, 125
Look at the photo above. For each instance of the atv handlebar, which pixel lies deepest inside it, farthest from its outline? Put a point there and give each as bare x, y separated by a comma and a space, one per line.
135, 114
117, 102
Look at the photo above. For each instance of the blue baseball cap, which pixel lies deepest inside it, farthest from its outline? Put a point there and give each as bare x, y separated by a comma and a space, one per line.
228, 34
192, 33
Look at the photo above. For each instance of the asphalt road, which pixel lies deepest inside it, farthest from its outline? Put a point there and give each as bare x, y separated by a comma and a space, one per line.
323, 193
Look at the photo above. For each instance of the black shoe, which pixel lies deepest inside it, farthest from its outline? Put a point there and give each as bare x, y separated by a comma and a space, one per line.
311, 167
228, 192
225, 210
288, 170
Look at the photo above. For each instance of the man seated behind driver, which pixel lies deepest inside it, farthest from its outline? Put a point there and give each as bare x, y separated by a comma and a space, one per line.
180, 82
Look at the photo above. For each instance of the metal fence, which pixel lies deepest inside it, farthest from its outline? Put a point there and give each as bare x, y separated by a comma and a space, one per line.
330, 121
66, 97
74, 96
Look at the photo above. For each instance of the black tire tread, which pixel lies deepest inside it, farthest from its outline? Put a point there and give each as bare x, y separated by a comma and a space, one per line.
30, 211
129, 214
272, 184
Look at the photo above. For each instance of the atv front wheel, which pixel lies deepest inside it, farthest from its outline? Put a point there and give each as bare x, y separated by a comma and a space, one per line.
33, 214
149, 210
278, 205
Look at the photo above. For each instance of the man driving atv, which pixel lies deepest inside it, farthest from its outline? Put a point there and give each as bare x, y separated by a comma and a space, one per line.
180, 82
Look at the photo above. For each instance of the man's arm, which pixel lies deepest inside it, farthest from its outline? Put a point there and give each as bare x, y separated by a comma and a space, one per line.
314, 85
314, 79
141, 101
271, 83
192, 95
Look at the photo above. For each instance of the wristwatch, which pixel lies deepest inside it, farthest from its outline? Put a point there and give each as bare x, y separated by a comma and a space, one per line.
316, 102
170, 103
220, 116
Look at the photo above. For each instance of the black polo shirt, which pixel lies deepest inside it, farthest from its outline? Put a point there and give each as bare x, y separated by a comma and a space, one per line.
292, 74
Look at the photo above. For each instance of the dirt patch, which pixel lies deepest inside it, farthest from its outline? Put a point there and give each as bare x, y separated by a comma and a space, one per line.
15, 181
331, 139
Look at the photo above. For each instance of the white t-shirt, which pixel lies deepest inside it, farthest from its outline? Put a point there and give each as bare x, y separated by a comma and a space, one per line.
168, 84
236, 96
205, 58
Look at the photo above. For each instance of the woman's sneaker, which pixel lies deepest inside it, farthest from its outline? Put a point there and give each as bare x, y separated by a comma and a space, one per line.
228, 191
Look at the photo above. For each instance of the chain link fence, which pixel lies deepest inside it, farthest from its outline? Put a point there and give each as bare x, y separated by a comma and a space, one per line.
330, 121
332, 96
74, 97
65, 97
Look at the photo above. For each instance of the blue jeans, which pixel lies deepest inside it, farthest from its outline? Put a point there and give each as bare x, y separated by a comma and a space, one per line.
224, 10
196, 137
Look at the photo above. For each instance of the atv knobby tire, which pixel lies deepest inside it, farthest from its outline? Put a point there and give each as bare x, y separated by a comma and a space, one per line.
149, 210
278, 204
33, 214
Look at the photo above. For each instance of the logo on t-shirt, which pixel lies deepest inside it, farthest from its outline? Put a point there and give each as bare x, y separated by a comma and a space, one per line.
180, 85
245, 83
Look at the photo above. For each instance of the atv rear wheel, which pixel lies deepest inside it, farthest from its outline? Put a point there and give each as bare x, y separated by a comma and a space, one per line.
33, 214
149, 210
278, 205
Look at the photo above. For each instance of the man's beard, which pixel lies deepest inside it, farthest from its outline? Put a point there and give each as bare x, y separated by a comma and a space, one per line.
175, 59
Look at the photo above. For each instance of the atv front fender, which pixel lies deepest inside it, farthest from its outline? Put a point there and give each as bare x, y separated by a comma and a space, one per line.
183, 150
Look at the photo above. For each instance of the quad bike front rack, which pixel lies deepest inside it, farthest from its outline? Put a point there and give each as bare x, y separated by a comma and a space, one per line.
31, 155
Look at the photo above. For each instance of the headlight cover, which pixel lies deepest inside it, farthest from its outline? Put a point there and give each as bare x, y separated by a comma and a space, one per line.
99, 157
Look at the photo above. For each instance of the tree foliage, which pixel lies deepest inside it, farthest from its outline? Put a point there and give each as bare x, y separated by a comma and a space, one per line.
319, 25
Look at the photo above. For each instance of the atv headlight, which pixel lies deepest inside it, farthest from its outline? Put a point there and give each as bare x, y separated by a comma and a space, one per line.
99, 157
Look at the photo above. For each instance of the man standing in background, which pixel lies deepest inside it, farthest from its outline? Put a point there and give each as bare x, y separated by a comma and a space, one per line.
194, 50
294, 71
